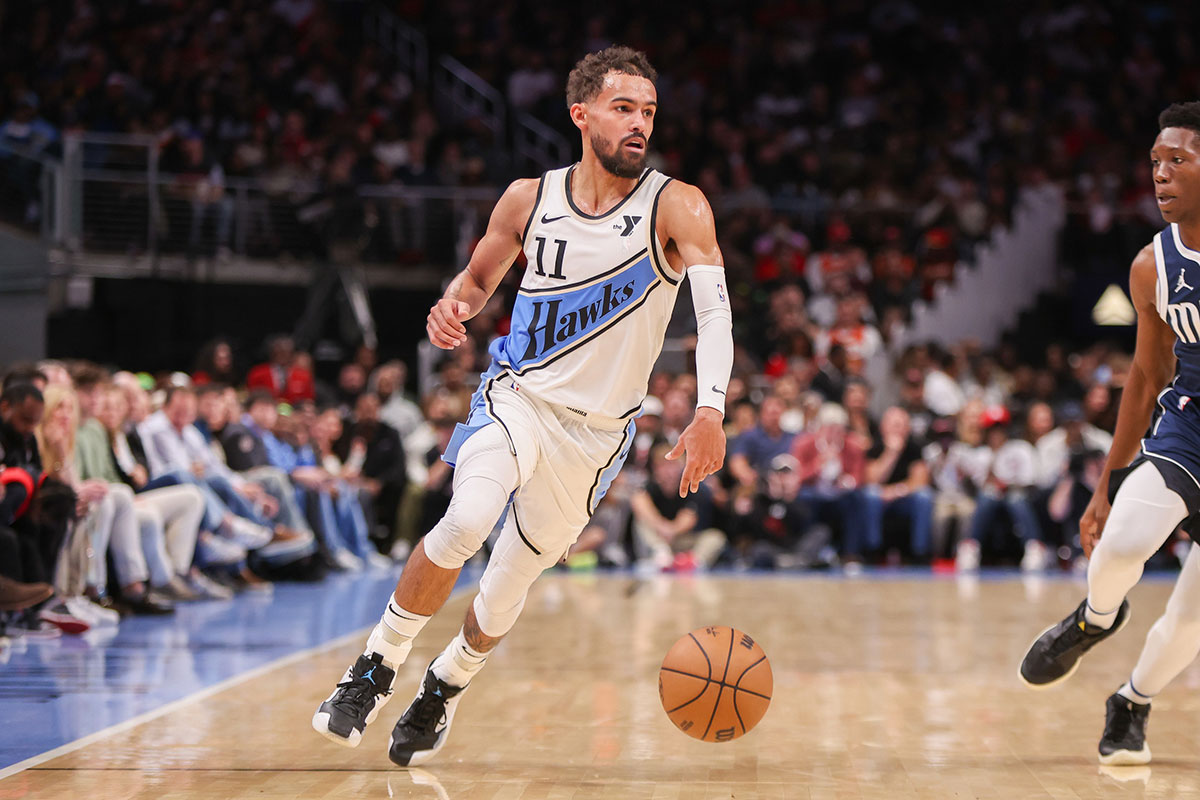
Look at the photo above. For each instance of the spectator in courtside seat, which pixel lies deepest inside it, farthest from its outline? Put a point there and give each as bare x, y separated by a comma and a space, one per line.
280, 375
371, 450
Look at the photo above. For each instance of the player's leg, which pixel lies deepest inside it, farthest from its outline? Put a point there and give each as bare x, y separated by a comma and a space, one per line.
486, 475
425, 725
1171, 645
1144, 514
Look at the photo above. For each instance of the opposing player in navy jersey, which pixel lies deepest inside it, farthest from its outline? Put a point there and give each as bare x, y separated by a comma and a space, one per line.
1152, 484
608, 243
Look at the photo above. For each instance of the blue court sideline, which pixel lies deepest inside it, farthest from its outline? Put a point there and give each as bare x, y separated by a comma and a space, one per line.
57, 691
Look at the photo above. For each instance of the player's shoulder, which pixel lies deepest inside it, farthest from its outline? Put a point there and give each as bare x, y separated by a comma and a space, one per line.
516, 205
683, 194
1145, 261
683, 207
1143, 274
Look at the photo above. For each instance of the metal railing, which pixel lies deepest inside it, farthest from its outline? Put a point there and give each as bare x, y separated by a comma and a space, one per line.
463, 94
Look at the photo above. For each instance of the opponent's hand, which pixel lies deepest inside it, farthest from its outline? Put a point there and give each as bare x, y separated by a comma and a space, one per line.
703, 442
1091, 524
444, 323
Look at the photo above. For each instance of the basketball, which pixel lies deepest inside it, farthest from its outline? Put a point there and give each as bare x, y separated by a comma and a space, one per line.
715, 683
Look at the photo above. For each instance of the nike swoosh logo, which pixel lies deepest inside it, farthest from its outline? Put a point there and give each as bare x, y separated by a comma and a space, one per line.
718, 391
546, 220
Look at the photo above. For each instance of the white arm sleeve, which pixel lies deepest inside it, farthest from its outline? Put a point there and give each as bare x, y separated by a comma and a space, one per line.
714, 335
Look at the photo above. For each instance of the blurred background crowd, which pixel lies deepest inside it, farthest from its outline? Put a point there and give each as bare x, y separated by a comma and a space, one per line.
855, 155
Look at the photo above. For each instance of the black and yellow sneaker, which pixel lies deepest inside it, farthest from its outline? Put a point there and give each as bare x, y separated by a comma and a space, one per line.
354, 704
1054, 655
1124, 741
422, 730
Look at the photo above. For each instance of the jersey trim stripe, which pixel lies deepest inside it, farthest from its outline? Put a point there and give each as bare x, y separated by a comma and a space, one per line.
600, 473
491, 412
1149, 454
519, 371
662, 269
537, 202
594, 217
521, 533
631, 411
590, 281
1161, 290
1183, 249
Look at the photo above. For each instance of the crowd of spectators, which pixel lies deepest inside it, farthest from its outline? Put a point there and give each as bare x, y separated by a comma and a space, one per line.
887, 134
123, 493
130, 493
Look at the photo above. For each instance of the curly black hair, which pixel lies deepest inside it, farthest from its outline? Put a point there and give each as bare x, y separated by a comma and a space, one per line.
587, 79
1181, 115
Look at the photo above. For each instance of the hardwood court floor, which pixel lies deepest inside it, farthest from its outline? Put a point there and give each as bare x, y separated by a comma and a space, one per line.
884, 688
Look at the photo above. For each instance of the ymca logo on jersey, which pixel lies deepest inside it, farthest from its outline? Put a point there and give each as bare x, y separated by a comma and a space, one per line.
626, 227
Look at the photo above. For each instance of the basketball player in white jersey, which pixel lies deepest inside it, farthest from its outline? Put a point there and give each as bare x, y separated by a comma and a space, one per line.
1161, 488
608, 242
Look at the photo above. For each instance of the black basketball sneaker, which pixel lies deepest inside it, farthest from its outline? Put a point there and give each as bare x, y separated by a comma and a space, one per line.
422, 730
1124, 741
1055, 654
354, 704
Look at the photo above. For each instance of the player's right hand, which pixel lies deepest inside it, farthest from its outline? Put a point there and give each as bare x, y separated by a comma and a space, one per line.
445, 323
1091, 524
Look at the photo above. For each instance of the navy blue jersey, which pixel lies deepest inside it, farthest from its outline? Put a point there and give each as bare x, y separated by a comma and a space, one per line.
1178, 303
1174, 440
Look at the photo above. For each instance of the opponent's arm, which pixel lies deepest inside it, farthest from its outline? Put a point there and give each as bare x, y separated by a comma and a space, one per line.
686, 225
497, 250
1152, 369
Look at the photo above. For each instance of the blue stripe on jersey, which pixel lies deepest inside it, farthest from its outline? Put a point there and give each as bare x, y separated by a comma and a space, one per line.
1182, 274
545, 326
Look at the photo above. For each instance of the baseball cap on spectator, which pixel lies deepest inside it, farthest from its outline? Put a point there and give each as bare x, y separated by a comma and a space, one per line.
784, 462
993, 416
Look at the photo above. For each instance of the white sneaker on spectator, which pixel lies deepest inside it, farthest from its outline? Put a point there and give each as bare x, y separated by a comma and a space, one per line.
215, 551
967, 557
207, 588
98, 615
1035, 558
283, 549
249, 535
58, 615
378, 561
347, 561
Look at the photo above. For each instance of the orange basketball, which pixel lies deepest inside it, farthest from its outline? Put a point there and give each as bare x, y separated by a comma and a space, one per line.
715, 683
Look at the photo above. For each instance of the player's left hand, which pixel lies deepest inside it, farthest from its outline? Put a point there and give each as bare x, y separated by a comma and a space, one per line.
703, 442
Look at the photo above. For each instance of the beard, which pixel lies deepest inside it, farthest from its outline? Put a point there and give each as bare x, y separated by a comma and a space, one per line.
618, 160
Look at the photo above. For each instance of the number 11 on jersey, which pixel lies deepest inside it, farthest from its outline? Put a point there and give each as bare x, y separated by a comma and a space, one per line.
558, 258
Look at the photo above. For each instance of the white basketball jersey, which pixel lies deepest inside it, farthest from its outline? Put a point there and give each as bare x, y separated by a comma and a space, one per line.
593, 307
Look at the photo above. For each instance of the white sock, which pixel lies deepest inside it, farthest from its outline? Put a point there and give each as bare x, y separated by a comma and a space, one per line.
459, 662
393, 634
1100, 619
1133, 695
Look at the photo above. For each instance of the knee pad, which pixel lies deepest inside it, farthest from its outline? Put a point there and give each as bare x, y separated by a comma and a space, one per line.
505, 583
477, 504
484, 479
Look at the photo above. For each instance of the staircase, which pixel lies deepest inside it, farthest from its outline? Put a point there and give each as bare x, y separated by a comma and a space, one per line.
523, 144
1008, 275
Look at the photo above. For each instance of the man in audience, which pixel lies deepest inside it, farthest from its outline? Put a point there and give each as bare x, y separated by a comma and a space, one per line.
174, 447
831, 466
666, 525
898, 482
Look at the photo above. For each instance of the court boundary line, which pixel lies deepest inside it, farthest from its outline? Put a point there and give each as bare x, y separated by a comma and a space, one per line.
203, 694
